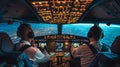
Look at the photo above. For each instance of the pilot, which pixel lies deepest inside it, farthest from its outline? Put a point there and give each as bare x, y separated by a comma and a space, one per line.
84, 52
27, 45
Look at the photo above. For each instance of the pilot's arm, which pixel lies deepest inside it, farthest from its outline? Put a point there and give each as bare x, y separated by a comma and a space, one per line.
36, 56
40, 57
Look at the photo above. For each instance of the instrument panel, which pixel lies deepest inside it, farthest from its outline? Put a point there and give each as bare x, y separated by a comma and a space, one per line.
61, 43
59, 48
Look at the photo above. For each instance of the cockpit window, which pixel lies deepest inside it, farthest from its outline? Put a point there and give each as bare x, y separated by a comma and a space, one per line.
44, 29
39, 29
110, 32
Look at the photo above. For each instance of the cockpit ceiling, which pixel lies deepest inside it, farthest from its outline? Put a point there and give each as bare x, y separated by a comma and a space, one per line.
60, 11
11, 10
95, 12
106, 10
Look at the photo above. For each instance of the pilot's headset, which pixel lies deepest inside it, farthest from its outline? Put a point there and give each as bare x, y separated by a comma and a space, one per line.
21, 28
95, 32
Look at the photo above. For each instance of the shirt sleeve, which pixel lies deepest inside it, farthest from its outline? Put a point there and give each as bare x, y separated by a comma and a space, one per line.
40, 57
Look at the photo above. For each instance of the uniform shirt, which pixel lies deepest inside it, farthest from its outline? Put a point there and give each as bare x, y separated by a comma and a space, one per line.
33, 53
85, 53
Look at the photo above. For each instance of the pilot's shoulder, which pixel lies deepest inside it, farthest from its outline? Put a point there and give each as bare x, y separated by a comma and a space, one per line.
32, 49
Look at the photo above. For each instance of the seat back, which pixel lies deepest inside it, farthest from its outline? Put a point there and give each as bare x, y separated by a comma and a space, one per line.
6, 44
10, 57
115, 48
109, 59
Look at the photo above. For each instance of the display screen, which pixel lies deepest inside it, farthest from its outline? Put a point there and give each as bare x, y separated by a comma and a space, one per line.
75, 44
59, 46
67, 54
42, 44
52, 54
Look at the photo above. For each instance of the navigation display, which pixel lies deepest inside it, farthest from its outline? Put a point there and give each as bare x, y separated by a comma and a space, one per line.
42, 44
59, 46
52, 54
67, 54
75, 44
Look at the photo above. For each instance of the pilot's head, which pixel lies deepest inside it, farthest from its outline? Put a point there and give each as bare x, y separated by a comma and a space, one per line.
95, 32
25, 32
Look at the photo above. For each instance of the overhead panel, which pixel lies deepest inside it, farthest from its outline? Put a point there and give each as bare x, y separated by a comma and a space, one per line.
60, 11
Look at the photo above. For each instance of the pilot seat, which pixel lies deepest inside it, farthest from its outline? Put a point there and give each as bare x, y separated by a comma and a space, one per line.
10, 58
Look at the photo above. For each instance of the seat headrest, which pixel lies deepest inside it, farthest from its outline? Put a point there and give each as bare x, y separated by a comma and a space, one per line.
115, 48
6, 44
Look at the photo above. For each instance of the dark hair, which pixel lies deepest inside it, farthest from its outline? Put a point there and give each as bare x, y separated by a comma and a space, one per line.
22, 28
116, 45
95, 32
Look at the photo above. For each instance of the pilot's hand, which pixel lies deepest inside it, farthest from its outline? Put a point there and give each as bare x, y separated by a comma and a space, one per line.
46, 53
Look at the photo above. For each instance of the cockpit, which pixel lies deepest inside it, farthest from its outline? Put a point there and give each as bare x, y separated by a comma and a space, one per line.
59, 25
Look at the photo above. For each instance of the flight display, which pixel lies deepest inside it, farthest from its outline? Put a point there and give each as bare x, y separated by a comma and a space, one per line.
42, 44
52, 54
75, 44
67, 54
59, 47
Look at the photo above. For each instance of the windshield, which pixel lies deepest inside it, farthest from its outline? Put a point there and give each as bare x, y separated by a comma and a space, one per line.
39, 30
110, 32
